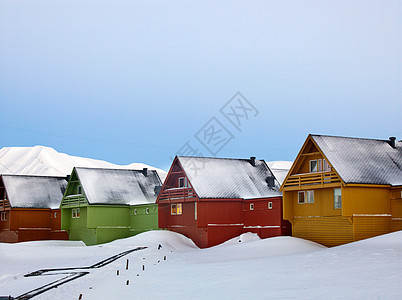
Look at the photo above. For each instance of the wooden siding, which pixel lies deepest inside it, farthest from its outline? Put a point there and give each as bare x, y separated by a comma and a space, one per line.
369, 226
328, 231
396, 209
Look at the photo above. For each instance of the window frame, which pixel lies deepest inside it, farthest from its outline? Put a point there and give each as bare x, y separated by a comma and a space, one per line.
325, 166
270, 205
298, 197
308, 198
335, 198
185, 182
75, 213
316, 165
195, 211
251, 206
147, 210
79, 190
3, 216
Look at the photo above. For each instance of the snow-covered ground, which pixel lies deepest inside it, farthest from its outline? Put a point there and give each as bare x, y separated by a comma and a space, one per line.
242, 268
41, 160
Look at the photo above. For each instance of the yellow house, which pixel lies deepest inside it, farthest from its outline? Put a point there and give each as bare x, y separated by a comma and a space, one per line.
341, 190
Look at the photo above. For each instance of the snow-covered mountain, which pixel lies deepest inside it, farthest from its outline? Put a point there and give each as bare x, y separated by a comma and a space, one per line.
40, 160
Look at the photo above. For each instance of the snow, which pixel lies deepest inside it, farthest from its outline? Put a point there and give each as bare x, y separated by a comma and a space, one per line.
280, 169
367, 161
228, 178
114, 186
241, 268
40, 160
34, 191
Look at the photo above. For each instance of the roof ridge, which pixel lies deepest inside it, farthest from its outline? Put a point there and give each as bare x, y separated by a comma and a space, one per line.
349, 137
226, 158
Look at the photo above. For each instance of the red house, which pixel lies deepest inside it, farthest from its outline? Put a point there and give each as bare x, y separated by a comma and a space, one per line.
211, 200
29, 208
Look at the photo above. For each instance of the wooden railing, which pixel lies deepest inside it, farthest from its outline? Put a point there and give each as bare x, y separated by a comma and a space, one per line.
4, 204
176, 194
324, 179
73, 200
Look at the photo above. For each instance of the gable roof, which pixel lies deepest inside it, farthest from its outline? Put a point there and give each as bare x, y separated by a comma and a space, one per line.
118, 186
28, 191
364, 161
228, 178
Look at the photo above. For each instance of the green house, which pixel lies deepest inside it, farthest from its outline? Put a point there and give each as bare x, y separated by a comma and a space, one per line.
102, 205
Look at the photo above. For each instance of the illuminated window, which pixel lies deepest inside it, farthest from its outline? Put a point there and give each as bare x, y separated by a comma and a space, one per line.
269, 205
176, 209
251, 206
337, 198
75, 213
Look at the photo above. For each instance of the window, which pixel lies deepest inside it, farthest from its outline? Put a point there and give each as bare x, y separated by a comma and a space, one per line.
301, 196
251, 206
176, 209
337, 198
195, 211
55, 215
3, 216
320, 165
135, 211
269, 205
310, 197
147, 210
313, 166
75, 213
183, 182
326, 166
79, 190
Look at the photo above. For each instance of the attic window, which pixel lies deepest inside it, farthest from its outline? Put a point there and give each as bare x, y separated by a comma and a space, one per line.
269, 205
3, 216
183, 182
326, 167
313, 166
79, 190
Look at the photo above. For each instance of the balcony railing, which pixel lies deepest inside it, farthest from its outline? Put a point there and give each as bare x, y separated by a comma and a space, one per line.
176, 194
4, 204
319, 179
73, 200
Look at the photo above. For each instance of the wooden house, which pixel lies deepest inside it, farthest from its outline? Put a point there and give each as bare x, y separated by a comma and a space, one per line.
341, 189
29, 208
211, 200
101, 205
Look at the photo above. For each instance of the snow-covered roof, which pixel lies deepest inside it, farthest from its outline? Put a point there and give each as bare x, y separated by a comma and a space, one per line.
228, 178
367, 161
118, 186
27, 191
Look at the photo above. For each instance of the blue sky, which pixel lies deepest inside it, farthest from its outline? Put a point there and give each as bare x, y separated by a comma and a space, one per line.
133, 81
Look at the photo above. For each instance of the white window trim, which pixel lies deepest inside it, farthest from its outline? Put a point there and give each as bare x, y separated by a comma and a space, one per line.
270, 205
135, 211
75, 213
195, 211
304, 197
316, 161
308, 197
3, 216
147, 210
340, 197
185, 183
251, 206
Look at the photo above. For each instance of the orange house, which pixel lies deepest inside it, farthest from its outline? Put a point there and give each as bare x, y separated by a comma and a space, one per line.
341, 190
29, 208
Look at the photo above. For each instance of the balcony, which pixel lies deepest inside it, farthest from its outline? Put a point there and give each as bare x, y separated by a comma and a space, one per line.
74, 200
175, 194
311, 180
4, 204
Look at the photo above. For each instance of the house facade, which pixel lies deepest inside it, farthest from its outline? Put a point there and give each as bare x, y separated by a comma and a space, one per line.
341, 190
29, 208
101, 205
211, 200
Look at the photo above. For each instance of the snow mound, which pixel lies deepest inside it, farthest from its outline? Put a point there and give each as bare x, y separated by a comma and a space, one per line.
154, 238
243, 238
41, 160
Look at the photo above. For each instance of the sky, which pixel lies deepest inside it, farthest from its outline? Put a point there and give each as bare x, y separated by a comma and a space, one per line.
142, 81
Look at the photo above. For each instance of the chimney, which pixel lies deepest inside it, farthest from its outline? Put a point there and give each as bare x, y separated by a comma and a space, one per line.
157, 189
252, 161
271, 181
145, 172
391, 141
